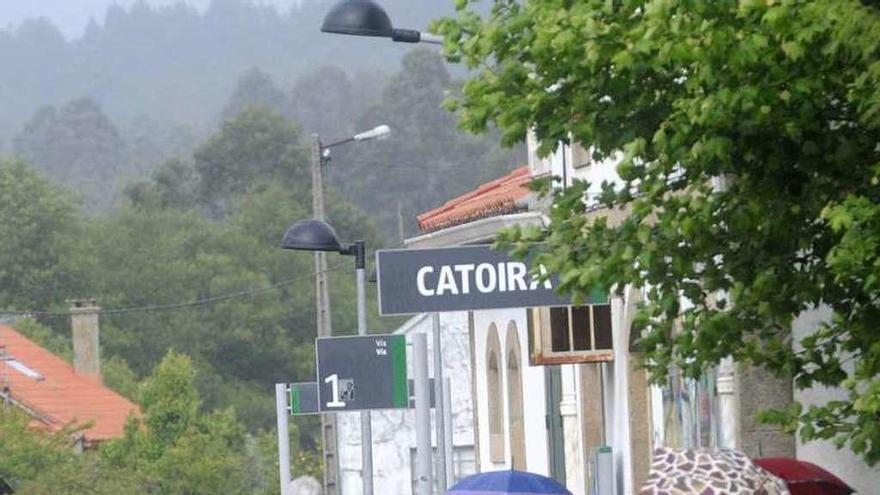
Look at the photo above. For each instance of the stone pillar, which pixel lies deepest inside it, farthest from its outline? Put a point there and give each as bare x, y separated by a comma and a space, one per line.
86, 332
728, 408
639, 419
592, 414
757, 390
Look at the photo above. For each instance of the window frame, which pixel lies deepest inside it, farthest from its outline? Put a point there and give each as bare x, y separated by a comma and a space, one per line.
541, 351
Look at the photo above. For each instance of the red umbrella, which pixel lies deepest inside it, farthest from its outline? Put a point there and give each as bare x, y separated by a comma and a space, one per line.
804, 478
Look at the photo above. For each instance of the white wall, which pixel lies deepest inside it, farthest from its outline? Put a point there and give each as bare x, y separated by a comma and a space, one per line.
595, 174
394, 430
842, 463
533, 391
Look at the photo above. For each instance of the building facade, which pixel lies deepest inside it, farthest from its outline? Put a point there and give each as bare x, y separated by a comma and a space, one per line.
554, 386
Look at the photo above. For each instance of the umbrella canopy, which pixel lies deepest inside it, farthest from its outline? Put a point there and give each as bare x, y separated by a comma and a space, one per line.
804, 478
508, 482
708, 472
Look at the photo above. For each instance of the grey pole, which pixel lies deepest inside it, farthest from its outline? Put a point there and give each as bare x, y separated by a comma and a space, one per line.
423, 414
447, 423
366, 423
283, 437
322, 294
439, 425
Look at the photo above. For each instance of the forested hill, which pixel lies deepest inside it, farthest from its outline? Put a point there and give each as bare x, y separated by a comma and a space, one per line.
176, 65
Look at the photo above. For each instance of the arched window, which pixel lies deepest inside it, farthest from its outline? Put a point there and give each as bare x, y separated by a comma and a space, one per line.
494, 395
515, 399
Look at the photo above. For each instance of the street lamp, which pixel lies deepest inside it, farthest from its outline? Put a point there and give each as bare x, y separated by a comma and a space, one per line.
320, 155
379, 133
319, 237
366, 18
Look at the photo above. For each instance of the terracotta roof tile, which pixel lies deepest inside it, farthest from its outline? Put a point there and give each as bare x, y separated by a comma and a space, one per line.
60, 397
495, 197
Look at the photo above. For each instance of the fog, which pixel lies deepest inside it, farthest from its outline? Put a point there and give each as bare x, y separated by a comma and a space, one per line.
71, 16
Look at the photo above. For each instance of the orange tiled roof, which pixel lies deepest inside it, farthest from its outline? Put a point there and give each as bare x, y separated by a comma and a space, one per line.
495, 197
60, 397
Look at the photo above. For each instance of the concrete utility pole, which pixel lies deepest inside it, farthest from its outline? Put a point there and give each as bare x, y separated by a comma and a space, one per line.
439, 422
400, 228
328, 421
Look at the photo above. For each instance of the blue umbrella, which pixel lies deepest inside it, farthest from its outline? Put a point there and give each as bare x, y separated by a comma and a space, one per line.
508, 482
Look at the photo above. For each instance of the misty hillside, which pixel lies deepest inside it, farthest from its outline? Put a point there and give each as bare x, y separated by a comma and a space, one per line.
176, 65
147, 85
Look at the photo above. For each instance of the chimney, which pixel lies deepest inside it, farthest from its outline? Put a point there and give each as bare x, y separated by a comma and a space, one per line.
86, 346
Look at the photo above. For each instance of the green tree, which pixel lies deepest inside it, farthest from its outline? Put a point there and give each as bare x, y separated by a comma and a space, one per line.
38, 228
327, 101
778, 101
164, 251
256, 146
426, 159
78, 146
172, 185
255, 88
181, 450
170, 401
40, 462
24, 455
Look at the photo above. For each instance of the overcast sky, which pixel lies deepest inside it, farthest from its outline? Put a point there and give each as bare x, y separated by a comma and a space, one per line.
71, 16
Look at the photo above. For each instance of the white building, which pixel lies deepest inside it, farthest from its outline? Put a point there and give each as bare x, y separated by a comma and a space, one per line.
394, 434
553, 385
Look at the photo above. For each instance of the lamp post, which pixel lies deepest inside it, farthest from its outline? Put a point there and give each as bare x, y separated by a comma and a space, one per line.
320, 155
317, 236
366, 18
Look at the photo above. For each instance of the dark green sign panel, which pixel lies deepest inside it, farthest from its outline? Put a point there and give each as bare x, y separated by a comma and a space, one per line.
303, 398
363, 372
462, 278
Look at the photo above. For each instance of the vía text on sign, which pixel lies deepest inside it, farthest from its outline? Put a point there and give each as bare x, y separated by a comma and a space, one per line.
483, 277
381, 347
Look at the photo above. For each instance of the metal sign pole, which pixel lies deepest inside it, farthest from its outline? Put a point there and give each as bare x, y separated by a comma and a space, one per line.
423, 414
283, 437
439, 423
447, 422
366, 423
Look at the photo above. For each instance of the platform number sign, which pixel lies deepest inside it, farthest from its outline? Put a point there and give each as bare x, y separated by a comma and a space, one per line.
363, 372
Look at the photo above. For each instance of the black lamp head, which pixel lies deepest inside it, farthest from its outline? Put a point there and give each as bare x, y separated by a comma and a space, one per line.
358, 18
311, 235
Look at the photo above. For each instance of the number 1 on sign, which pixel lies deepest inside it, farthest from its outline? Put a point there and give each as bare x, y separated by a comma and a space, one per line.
333, 380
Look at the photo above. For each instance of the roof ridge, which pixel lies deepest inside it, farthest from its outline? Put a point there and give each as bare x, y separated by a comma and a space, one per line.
494, 197
514, 177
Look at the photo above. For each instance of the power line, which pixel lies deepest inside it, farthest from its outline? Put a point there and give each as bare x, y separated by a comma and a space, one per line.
173, 306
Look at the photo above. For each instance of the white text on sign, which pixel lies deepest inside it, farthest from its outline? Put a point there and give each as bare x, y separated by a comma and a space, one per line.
485, 277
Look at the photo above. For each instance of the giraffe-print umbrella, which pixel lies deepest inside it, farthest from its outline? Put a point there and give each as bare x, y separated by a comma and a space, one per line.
708, 472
